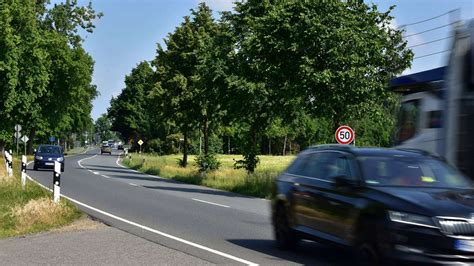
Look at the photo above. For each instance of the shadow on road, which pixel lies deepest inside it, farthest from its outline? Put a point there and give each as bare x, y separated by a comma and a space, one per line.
198, 190
306, 252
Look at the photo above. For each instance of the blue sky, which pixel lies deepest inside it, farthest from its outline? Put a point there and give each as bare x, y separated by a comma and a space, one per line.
130, 29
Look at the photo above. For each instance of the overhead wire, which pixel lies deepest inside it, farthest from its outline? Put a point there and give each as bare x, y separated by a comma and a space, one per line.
433, 41
426, 55
432, 29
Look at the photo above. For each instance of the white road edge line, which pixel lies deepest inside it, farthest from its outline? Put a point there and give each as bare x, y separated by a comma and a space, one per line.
105, 176
220, 253
133, 184
212, 203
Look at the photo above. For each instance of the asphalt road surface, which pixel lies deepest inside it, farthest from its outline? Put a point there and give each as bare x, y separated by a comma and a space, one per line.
212, 225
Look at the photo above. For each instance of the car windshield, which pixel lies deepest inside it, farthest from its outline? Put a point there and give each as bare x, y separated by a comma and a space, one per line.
413, 172
49, 149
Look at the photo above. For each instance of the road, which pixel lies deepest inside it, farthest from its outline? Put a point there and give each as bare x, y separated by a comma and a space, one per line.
212, 225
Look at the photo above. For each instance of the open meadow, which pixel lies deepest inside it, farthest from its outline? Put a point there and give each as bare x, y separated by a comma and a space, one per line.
226, 177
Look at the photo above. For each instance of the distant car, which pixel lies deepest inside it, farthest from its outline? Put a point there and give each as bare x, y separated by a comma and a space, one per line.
120, 147
385, 204
105, 149
46, 155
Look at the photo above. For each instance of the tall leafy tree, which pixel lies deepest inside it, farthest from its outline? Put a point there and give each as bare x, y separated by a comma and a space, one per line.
129, 111
45, 75
23, 65
332, 58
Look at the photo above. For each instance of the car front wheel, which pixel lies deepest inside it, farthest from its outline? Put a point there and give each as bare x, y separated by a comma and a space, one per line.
285, 236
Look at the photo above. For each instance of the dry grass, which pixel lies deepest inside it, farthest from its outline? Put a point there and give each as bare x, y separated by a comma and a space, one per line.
30, 209
4, 178
226, 177
38, 211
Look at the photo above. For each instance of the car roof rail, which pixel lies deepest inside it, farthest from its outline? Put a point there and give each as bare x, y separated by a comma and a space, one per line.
419, 151
332, 146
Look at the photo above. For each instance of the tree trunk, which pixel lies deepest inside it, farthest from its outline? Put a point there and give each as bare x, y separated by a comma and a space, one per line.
228, 144
31, 140
206, 135
185, 150
269, 146
284, 146
289, 145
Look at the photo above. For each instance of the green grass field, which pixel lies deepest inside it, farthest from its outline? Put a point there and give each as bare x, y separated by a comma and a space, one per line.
226, 177
29, 210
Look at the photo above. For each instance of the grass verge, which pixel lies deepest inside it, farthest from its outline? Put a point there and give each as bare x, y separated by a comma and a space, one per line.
29, 210
258, 184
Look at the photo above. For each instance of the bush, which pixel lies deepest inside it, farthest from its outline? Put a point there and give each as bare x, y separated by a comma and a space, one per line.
215, 145
154, 146
207, 163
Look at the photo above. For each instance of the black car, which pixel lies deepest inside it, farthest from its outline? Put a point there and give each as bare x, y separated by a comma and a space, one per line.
46, 155
384, 204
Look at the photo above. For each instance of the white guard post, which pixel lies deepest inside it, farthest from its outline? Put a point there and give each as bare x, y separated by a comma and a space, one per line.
10, 163
56, 181
7, 164
23, 171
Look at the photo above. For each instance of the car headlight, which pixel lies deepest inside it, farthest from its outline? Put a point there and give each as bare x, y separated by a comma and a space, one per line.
413, 219
39, 157
60, 159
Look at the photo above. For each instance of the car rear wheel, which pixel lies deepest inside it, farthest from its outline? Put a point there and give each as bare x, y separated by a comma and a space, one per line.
367, 254
366, 248
285, 236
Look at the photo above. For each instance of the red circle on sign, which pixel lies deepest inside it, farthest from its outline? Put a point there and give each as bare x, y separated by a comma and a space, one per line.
342, 139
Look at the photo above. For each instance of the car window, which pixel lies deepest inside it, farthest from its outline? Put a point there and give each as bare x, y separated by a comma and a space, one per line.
296, 168
419, 172
326, 166
49, 149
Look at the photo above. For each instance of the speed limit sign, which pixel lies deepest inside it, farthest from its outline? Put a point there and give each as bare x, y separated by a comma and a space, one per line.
345, 135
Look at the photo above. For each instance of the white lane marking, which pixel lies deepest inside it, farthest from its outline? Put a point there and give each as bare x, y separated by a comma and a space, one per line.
212, 203
80, 161
217, 252
132, 184
105, 176
95, 173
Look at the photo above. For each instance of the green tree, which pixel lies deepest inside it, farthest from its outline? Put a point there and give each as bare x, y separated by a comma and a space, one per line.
45, 75
332, 58
103, 127
129, 111
23, 65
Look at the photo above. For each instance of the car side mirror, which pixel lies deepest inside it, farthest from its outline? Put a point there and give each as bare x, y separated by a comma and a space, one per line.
343, 181
34, 151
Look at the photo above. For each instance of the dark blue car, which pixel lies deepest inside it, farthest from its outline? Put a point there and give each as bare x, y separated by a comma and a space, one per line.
46, 155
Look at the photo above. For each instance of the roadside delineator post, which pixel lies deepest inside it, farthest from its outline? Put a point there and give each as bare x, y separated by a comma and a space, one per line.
23, 171
56, 181
9, 160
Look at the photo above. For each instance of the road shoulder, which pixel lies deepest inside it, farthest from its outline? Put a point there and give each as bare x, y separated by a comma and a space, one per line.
89, 242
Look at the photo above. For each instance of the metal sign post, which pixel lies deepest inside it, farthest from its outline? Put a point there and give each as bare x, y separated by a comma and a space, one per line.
17, 136
140, 142
25, 140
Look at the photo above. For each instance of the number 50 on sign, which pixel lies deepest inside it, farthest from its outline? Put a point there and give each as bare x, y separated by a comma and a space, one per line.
345, 135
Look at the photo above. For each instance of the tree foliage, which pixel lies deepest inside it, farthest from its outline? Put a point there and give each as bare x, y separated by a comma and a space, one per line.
45, 74
278, 75
129, 111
